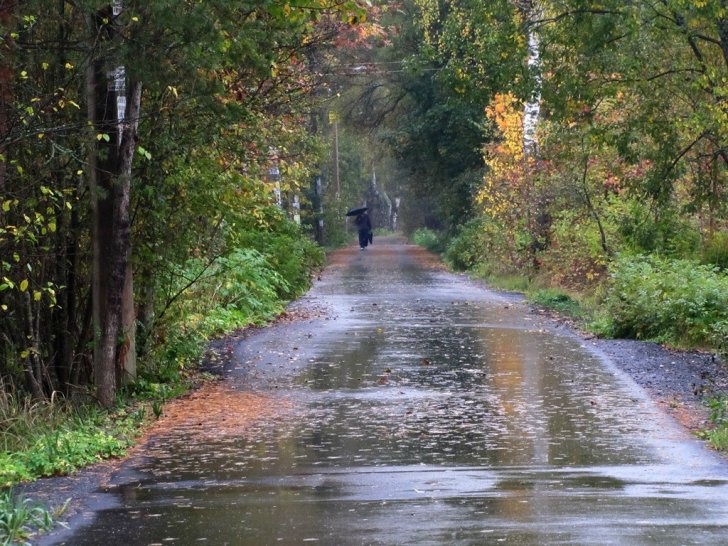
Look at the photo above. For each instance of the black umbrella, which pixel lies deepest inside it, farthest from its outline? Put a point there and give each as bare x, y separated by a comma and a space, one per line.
356, 211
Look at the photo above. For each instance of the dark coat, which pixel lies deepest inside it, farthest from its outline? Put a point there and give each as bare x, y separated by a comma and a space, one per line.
363, 223
364, 226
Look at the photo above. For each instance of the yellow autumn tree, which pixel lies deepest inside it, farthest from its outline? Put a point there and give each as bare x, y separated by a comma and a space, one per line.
505, 194
504, 182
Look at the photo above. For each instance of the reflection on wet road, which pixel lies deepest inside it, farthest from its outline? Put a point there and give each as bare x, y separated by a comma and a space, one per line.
423, 410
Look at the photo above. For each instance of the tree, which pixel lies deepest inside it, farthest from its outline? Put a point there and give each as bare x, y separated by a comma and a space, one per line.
114, 118
194, 159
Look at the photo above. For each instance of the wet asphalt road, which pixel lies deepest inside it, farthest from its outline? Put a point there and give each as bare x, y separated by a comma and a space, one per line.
418, 408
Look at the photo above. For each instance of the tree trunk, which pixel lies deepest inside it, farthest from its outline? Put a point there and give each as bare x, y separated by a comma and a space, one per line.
33, 364
126, 359
591, 209
107, 273
110, 183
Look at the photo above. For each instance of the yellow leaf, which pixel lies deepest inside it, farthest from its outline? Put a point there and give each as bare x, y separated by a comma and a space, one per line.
23, 285
37, 295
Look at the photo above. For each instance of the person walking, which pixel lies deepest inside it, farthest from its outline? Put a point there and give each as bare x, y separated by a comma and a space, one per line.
364, 227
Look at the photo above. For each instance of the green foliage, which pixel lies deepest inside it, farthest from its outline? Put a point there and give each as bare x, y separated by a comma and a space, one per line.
21, 518
665, 232
575, 256
718, 436
559, 301
677, 301
289, 254
429, 239
211, 296
469, 247
43, 439
207, 139
716, 251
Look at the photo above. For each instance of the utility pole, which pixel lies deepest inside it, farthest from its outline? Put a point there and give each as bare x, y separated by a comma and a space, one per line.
334, 119
320, 211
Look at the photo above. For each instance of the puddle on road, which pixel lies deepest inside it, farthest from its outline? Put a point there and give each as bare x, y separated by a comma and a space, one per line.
430, 413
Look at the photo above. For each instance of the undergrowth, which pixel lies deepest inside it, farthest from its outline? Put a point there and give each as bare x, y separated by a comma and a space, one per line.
56, 438
21, 519
679, 302
559, 301
430, 239
718, 436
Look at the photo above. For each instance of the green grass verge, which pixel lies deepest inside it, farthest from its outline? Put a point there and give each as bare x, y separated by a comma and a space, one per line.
559, 301
21, 519
52, 439
718, 436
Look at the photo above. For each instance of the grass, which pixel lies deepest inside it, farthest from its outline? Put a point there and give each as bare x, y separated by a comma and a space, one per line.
21, 519
562, 302
559, 301
717, 437
56, 437
509, 283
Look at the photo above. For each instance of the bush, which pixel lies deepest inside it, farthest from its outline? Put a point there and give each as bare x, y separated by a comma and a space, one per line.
575, 257
290, 254
675, 301
489, 251
249, 284
468, 248
716, 251
429, 239
667, 233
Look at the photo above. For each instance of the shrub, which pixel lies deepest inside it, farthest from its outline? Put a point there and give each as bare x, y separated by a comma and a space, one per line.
676, 301
667, 233
575, 257
468, 248
716, 251
429, 239
290, 254
249, 284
